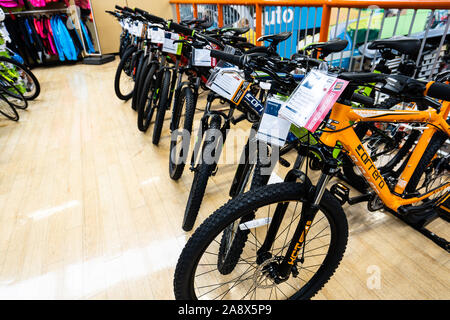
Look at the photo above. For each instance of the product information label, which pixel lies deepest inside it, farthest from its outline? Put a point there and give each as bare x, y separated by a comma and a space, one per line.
169, 45
273, 129
201, 57
228, 84
156, 35
312, 100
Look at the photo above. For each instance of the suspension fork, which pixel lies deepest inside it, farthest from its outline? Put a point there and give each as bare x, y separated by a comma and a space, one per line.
201, 130
309, 212
175, 119
174, 80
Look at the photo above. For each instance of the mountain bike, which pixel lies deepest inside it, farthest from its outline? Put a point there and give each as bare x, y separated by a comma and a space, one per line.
296, 232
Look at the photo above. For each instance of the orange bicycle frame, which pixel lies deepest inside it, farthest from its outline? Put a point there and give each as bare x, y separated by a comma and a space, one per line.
342, 116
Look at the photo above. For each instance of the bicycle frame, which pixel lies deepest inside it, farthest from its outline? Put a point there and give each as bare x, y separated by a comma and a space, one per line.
342, 115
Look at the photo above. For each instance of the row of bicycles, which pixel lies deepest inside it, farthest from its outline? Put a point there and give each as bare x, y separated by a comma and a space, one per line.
385, 134
18, 86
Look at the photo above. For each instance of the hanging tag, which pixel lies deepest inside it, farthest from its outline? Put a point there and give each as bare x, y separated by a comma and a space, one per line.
312, 100
169, 46
273, 129
157, 35
201, 57
140, 29
228, 84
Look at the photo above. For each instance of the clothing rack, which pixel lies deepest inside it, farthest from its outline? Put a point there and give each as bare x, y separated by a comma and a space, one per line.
38, 11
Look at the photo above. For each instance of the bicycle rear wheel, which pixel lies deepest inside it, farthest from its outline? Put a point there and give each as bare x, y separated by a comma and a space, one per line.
197, 275
433, 169
7, 109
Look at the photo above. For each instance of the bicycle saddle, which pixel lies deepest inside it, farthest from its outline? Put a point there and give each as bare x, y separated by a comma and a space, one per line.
205, 25
276, 37
192, 21
235, 31
403, 45
334, 45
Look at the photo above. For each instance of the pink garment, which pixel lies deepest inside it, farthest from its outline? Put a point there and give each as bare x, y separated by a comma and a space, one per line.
83, 4
50, 36
11, 3
38, 3
43, 3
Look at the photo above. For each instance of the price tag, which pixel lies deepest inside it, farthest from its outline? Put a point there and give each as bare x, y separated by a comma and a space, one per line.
169, 46
140, 28
312, 100
201, 57
157, 35
273, 129
229, 84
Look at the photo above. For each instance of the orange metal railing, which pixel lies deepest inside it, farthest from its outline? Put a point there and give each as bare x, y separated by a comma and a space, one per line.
325, 4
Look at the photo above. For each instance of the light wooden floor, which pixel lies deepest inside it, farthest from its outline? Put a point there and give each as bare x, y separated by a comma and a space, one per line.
88, 211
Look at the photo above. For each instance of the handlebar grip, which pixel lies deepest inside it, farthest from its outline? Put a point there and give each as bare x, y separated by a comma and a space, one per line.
440, 91
365, 100
149, 16
119, 8
128, 9
231, 58
178, 28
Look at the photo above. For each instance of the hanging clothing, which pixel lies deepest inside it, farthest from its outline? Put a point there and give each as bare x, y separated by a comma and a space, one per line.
11, 3
41, 39
87, 37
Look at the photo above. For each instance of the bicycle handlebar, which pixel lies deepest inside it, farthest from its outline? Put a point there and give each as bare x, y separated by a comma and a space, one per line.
228, 57
149, 16
178, 28
440, 91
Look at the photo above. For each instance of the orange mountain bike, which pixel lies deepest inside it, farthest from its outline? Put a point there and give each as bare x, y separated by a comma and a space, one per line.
293, 234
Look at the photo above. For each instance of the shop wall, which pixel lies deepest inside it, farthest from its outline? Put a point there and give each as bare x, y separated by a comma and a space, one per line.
107, 27
159, 8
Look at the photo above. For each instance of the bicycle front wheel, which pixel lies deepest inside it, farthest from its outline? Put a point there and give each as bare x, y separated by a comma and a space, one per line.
198, 275
22, 77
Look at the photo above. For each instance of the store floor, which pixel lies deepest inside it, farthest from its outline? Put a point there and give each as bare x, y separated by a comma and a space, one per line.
88, 211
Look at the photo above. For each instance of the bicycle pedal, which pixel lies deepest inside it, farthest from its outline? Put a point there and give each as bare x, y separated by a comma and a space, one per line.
341, 192
284, 162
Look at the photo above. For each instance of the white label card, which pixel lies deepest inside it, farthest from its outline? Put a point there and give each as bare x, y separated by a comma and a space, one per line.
157, 35
229, 84
273, 129
169, 46
201, 57
312, 100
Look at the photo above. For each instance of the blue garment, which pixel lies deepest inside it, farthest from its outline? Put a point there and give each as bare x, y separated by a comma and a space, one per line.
29, 31
89, 44
68, 46
63, 41
57, 38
